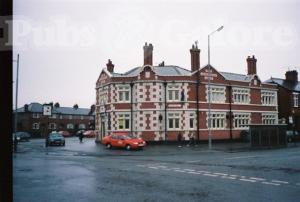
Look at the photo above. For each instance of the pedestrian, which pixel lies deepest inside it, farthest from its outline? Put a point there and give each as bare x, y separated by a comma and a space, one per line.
192, 139
179, 139
80, 136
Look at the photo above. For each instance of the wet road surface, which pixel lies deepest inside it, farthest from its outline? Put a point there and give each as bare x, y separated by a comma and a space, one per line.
89, 172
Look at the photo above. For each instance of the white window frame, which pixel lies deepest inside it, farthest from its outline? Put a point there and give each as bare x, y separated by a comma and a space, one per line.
35, 115
268, 97
125, 118
295, 99
217, 94
241, 95
173, 121
123, 93
35, 126
70, 117
70, 126
173, 93
241, 120
269, 118
218, 120
82, 126
52, 126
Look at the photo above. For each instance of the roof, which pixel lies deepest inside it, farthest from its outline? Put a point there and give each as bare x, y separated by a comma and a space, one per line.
169, 70
235, 77
285, 84
38, 108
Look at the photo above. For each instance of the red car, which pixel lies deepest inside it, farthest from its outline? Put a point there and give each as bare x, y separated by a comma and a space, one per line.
89, 133
65, 133
123, 141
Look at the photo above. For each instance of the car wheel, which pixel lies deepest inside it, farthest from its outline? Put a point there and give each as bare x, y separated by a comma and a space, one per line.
108, 146
128, 147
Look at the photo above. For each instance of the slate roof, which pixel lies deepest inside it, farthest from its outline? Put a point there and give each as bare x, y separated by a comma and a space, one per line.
168, 70
236, 77
38, 108
285, 84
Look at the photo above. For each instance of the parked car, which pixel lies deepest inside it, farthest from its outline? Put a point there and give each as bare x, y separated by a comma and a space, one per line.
65, 133
89, 133
23, 136
123, 141
291, 137
56, 139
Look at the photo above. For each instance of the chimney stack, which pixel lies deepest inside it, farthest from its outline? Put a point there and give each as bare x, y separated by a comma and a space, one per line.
148, 54
251, 65
292, 76
195, 57
110, 66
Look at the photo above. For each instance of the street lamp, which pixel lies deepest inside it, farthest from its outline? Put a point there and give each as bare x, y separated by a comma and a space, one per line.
209, 90
16, 107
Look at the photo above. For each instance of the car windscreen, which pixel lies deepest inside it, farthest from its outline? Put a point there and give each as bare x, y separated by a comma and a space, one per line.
55, 135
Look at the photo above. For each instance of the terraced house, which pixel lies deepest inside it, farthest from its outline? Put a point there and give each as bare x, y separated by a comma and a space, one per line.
158, 102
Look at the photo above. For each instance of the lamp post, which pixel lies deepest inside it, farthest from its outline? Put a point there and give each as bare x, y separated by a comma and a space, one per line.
16, 107
209, 90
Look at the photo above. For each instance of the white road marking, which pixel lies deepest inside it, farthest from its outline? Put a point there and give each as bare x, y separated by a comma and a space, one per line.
220, 174
233, 175
270, 183
211, 175
278, 181
182, 171
257, 178
189, 170
226, 177
241, 157
195, 173
153, 167
247, 180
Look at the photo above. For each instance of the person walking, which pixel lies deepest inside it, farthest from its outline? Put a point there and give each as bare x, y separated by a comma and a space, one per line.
80, 136
179, 139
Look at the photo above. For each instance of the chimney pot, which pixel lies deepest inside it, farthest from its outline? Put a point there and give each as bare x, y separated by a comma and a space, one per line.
148, 54
292, 76
110, 66
195, 58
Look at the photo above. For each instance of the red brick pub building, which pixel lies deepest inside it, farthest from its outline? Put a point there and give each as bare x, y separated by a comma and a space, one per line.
157, 102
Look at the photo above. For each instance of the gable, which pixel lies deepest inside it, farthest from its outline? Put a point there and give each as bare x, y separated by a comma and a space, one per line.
147, 73
103, 78
206, 74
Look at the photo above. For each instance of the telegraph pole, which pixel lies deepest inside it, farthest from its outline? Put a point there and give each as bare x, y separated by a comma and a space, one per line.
16, 107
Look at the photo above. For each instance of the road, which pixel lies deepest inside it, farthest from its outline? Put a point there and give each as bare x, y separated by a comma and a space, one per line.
89, 172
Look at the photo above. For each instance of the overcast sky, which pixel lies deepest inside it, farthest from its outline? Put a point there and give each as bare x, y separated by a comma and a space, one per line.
64, 44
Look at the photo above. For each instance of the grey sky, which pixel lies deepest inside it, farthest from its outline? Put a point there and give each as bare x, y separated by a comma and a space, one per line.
64, 44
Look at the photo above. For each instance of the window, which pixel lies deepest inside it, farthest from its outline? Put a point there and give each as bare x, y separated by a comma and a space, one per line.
60, 116
36, 126
192, 121
123, 121
269, 118
123, 93
81, 117
268, 97
217, 120
82, 126
241, 120
70, 126
52, 126
35, 115
173, 93
70, 117
295, 99
241, 95
217, 94
173, 120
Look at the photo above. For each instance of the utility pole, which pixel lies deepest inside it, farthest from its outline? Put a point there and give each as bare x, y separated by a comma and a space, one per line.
16, 107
